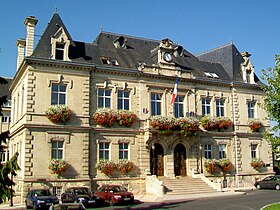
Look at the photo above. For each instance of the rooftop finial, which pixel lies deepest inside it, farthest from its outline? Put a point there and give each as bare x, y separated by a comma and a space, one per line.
55, 11
101, 29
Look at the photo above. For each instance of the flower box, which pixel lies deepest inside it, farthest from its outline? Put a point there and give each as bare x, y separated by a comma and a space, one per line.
125, 166
225, 165
58, 113
210, 123
210, 166
255, 125
107, 117
257, 163
57, 166
106, 167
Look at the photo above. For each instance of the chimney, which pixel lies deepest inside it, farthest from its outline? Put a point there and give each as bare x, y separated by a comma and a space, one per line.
20, 44
30, 23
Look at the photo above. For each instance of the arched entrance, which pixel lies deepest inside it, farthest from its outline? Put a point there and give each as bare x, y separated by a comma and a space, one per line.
180, 160
156, 160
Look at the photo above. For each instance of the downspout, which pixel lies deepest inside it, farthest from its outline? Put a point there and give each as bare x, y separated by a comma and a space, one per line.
234, 136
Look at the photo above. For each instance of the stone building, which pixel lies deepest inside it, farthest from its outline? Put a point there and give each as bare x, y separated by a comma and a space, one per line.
122, 72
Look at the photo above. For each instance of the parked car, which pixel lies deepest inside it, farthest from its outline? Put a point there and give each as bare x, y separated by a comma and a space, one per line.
66, 206
270, 182
79, 195
115, 194
40, 198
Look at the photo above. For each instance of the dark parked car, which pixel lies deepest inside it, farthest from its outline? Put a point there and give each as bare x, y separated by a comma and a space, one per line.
115, 194
270, 182
40, 198
79, 195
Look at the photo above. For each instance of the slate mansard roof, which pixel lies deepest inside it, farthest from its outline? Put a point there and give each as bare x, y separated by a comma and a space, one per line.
225, 62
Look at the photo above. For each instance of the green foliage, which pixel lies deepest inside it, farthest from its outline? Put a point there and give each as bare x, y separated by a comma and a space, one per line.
272, 90
10, 167
6, 170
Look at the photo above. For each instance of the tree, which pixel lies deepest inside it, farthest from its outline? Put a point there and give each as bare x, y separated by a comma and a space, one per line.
272, 106
8, 169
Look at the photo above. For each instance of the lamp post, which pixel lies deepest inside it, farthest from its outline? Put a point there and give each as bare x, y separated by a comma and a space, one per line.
11, 191
200, 149
153, 159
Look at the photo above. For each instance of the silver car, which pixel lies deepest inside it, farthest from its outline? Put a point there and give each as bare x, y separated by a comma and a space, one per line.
270, 182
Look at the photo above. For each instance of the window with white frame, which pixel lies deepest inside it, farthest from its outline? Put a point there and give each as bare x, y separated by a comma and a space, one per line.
206, 107
254, 148
3, 155
123, 100
222, 151
179, 107
58, 94
104, 98
155, 104
104, 149
251, 109
248, 76
123, 150
57, 149
220, 108
208, 151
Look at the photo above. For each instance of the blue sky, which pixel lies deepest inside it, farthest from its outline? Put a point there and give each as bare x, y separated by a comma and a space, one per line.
197, 25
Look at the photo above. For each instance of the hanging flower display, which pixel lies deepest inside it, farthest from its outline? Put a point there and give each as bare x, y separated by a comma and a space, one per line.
162, 123
225, 165
58, 113
208, 122
106, 167
210, 165
57, 166
187, 125
255, 125
107, 117
125, 166
223, 123
257, 163
125, 117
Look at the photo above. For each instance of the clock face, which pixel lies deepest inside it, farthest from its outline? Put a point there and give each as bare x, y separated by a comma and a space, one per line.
167, 57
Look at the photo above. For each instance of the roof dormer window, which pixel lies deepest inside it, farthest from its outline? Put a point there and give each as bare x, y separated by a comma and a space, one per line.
248, 76
60, 45
179, 51
211, 75
120, 42
109, 61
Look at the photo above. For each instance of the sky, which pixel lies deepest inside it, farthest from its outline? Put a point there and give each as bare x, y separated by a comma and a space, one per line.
197, 25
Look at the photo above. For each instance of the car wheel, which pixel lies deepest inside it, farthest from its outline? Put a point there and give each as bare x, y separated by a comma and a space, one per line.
258, 186
111, 202
277, 187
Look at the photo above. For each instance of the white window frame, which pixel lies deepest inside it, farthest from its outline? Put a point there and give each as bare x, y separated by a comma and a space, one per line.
103, 97
220, 108
179, 106
123, 150
58, 93
254, 150
156, 102
103, 151
208, 151
222, 151
55, 150
205, 105
251, 105
122, 99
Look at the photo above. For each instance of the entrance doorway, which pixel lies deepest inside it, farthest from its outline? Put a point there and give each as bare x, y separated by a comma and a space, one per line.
156, 160
180, 160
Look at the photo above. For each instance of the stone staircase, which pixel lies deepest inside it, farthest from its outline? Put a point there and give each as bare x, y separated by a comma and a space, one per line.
185, 185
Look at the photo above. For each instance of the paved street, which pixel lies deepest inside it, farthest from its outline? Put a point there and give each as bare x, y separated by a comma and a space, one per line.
251, 199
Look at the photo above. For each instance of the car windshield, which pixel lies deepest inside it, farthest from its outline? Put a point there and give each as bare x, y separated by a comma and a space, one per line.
117, 189
42, 193
81, 191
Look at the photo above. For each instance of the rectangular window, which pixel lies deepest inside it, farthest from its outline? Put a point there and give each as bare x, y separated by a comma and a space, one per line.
220, 107
205, 106
58, 94
5, 119
179, 107
222, 151
123, 100
251, 109
254, 150
156, 104
3, 157
104, 150
208, 151
104, 98
59, 51
248, 76
123, 150
57, 149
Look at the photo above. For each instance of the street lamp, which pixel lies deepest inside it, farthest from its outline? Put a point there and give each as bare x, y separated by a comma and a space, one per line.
200, 149
153, 159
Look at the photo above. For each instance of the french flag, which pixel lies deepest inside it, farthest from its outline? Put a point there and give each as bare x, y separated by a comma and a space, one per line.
174, 94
